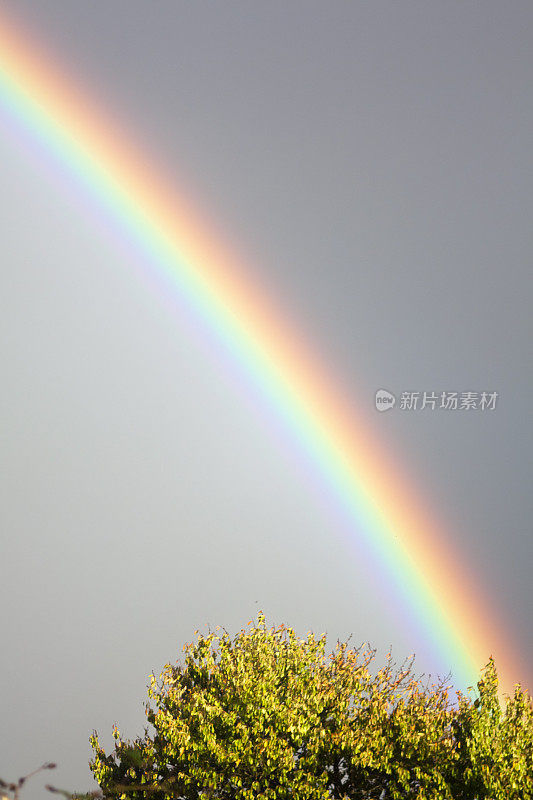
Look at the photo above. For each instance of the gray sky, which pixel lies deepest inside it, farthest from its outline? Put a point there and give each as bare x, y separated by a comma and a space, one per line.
372, 164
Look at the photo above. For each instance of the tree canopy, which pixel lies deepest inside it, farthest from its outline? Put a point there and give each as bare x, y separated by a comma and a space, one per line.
269, 716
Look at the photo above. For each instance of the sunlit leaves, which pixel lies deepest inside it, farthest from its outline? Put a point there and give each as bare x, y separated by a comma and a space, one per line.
267, 716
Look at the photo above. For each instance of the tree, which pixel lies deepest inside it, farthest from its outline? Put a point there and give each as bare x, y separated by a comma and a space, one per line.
268, 716
496, 748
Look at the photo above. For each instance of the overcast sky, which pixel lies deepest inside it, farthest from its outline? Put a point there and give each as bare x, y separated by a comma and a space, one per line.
372, 164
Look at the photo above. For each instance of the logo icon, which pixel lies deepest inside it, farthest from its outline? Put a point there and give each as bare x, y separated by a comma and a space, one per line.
384, 400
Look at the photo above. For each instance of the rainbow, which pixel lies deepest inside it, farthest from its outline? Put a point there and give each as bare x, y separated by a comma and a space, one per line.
387, 520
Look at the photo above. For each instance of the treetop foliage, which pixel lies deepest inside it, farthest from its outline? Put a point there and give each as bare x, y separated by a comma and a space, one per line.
269, 716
